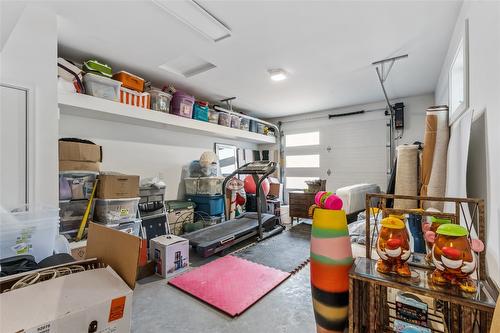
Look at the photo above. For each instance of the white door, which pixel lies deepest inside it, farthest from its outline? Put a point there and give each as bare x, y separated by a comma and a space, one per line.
13, 147
344, 151
354, 152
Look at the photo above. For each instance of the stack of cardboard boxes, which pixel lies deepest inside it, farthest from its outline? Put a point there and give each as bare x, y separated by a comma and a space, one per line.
116, 203
79, 164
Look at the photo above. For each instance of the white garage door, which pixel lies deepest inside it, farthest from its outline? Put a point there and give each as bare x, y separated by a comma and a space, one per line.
344, 151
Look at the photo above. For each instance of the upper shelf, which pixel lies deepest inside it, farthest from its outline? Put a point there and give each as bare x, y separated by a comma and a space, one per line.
99, 108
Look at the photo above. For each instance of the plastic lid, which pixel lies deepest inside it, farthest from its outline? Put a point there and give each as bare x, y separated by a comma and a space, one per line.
393, 223
202, 103
399, 217
450, 229
439, 220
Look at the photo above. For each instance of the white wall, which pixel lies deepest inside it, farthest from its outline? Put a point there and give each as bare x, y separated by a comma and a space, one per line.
146, 152
484, 71
28, 59
373, 164
415, 107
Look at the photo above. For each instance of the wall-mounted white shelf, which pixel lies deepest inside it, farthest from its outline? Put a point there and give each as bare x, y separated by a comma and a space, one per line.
98, 108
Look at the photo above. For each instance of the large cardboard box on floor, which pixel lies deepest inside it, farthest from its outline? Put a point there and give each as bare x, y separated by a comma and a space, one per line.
170, 254
98, 299
76, 151
114, 185
73, 303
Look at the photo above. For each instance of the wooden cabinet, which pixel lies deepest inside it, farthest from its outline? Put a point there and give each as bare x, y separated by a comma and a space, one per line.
299, 204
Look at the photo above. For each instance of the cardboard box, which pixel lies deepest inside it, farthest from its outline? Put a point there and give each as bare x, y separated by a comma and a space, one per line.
83, 152
94, 297
170, 254
117, 186
115, 248
275, 187
99, 297
79, 166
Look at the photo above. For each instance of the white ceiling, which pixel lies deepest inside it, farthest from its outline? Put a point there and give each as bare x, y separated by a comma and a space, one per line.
326, 46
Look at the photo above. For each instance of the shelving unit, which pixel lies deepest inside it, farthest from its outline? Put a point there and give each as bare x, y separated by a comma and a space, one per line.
97, 108
370, 309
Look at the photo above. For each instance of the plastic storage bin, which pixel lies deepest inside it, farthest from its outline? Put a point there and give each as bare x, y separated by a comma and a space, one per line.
132, 97
115, 211
261, 128
210, 204
71, 214
31, 230
130, 81
224, 119
81, 183
182, 104
133, 228
204, 185
245, 124
200, 112
235, 121
102, 87
253, 126
179, 214
160, 101
213, 116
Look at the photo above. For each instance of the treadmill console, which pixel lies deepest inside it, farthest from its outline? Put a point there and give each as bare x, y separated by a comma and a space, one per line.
258, 167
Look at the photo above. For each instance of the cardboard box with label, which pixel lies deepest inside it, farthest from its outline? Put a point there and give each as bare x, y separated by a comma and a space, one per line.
170, 254
114, 185
95, 298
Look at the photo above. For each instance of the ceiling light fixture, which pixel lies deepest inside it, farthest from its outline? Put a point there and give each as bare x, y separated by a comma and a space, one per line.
195, 16
277, 74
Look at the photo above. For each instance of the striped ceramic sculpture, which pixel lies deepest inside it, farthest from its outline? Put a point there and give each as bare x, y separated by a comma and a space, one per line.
331, 259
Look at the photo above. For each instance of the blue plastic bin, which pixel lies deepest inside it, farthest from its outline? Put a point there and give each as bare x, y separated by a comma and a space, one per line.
200, 112
213, 205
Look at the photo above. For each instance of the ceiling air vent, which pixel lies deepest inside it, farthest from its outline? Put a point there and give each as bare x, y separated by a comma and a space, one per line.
187, 66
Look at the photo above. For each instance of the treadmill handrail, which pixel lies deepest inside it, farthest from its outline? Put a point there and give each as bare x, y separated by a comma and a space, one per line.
257, 195
265, 173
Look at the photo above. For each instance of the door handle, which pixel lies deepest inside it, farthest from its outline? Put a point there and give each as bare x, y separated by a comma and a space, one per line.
328, 172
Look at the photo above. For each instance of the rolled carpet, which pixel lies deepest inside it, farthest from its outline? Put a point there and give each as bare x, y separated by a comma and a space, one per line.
331, 260
406, 176
436, 139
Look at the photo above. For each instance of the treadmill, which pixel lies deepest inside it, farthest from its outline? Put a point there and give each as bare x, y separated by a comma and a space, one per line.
219, 237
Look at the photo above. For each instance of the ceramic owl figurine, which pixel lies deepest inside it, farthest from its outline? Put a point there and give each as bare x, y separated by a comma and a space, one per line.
393, 247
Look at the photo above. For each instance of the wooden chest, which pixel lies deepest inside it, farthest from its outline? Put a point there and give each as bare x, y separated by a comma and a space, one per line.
299, 204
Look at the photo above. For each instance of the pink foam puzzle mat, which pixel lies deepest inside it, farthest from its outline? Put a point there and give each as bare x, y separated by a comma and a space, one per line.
230, 284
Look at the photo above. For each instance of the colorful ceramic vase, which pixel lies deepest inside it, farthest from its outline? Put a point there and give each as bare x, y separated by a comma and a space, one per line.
331, 260
393, 247
453, 257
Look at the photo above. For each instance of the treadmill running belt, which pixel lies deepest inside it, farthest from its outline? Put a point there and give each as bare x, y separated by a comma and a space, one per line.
221, 231
288, 251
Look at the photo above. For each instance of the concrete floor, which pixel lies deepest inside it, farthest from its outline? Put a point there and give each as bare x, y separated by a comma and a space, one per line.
158, 307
